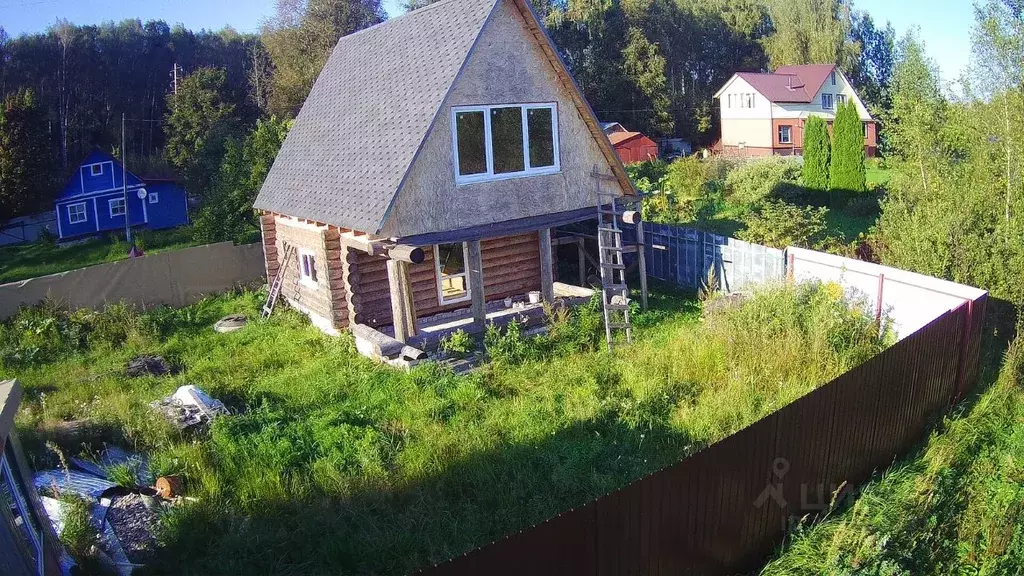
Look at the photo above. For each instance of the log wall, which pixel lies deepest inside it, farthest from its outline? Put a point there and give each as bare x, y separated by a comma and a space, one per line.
328, 300
511, 267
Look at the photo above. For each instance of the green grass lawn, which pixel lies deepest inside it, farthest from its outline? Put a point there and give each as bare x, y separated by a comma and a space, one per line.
876, 172
332, 463
23, 261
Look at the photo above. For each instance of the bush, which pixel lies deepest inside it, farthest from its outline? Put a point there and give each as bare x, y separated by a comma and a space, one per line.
761, 179
779, 225
47, 332
508, 347
458, 344
817, 154
862, 205
676, 197
847, 168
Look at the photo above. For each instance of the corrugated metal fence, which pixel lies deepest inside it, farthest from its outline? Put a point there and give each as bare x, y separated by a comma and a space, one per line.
722, 510
689, 257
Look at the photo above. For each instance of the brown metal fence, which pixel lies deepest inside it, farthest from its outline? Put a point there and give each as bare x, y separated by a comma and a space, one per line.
723, 510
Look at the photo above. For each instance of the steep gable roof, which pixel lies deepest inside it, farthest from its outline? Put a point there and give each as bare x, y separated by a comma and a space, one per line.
366, 115
371, 108
789, 83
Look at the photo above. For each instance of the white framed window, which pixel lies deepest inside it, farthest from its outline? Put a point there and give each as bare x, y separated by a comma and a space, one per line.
77, 213
307, 268
153, 197
730, 100
750, 100
840, 99
826, 102
452, 274
96, 169
504, 141
785, 134
865, 130
116, 207
833, 77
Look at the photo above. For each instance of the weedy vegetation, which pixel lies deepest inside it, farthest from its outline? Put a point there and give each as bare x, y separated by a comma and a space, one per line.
333, 463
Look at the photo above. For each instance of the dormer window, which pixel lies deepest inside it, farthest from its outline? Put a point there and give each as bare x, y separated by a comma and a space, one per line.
96, 169
497, 142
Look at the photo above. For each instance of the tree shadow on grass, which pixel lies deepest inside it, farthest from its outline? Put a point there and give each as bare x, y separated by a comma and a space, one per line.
473, 502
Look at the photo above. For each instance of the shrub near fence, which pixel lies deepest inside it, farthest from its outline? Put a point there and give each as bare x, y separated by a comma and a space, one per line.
722, 510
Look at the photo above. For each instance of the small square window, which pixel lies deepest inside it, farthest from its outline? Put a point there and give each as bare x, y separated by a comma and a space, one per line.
840, 99
307, 268
96, 169
116, 207
77, 213
153, 197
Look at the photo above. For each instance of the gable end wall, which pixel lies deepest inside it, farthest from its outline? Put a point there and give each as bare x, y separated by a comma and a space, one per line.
506, 67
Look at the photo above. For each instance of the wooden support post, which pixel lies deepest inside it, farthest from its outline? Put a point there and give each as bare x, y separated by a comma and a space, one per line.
475, 266
547, 277
581, 253
403, 309
641, 255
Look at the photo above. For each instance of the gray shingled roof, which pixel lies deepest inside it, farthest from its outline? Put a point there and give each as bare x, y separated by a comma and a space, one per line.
368, 113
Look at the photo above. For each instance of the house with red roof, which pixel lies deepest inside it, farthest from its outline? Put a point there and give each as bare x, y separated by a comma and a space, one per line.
764, 114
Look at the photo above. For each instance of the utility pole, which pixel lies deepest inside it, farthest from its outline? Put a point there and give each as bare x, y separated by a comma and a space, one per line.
124, 188
174, 77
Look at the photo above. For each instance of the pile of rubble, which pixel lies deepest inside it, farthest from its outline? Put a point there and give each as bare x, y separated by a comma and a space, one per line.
125, 506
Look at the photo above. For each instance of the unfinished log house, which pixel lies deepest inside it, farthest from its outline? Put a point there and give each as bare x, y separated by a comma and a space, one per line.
425, 172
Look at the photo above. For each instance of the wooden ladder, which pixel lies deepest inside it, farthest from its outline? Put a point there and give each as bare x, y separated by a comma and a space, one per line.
275, 286
610, 250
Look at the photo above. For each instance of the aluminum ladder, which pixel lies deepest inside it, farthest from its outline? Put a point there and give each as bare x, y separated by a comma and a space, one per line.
275, 286
610, 251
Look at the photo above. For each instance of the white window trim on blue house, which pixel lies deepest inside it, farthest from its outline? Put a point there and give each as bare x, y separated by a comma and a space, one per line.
84, 214
114, 201
93, 169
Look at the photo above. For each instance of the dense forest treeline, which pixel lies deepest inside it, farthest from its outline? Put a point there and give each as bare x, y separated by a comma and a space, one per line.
651, 64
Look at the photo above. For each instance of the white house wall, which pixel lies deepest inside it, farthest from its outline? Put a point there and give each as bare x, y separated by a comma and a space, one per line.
739, 86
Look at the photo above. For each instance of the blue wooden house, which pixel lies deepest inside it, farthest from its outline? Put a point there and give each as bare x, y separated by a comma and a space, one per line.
94, 200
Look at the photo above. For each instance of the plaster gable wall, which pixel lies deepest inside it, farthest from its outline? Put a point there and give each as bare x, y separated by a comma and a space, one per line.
505, 67
737, 88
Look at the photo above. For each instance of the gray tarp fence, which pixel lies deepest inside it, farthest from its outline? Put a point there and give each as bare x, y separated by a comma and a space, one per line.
686, 256
176, 278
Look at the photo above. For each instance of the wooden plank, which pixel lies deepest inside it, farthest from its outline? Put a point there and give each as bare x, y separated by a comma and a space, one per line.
403, 315
475, 268
547, 289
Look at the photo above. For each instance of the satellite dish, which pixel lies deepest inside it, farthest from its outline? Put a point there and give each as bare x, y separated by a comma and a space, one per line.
142, 193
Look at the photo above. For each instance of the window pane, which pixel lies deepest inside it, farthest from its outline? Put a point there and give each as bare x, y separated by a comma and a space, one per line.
542, 144
451, 266
470, 137
507, 140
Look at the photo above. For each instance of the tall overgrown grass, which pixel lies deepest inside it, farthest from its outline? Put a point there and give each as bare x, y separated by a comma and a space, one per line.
955, 508
332, 463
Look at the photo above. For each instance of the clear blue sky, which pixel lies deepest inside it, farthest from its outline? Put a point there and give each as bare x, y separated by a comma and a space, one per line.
944, 24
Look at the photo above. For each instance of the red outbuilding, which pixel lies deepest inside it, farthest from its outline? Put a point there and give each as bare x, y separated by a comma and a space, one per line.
633, 146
